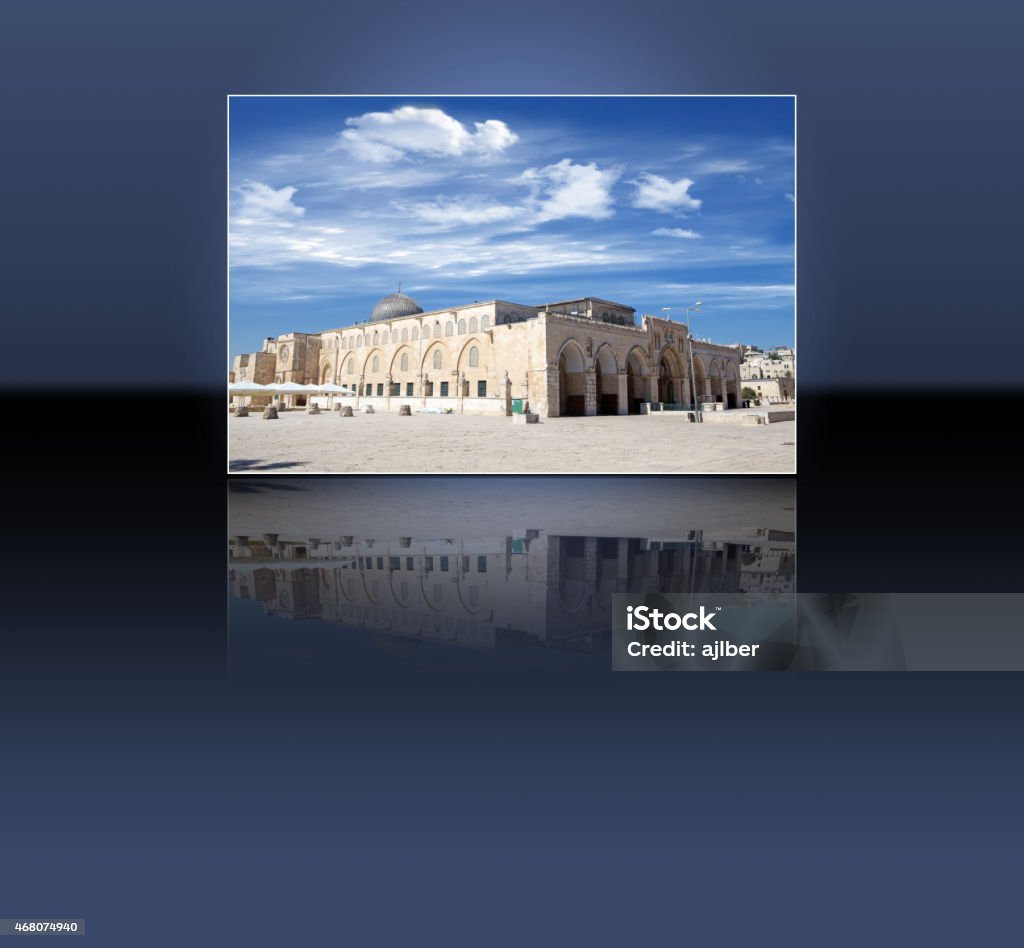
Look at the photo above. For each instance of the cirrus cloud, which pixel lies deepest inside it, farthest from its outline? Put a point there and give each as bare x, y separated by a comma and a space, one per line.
676, 232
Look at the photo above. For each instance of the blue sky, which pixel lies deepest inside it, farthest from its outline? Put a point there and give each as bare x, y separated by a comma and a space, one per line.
651, 202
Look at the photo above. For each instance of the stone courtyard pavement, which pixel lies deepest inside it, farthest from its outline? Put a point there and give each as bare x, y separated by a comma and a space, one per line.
472, 444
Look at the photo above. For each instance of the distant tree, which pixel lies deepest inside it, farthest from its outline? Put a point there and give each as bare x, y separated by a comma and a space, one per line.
748, 393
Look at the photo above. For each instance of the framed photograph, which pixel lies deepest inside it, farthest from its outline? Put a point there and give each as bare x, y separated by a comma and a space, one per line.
514, 284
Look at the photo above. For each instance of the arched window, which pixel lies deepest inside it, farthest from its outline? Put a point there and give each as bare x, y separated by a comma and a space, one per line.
462, 327
472, 324
405, 335
437, 358
437, 330
449, 328
415, 334
376, 364
376, 338
474, 357
394, 335
351, 366
405, 362
485, 322
359, 342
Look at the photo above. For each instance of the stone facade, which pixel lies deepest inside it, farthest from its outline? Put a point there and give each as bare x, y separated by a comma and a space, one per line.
586, 356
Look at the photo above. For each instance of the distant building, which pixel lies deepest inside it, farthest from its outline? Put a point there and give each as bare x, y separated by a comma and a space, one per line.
585, 356
776, 363
772, 390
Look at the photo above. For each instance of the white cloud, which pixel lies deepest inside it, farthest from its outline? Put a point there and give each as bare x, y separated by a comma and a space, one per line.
566, 189
734, 290
453, 213
557, 191
260, 203
659, 194
791, 198
676, 232
380, 137
724, 166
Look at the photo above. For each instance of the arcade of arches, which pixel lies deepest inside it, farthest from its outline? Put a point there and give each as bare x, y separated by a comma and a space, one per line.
578, 357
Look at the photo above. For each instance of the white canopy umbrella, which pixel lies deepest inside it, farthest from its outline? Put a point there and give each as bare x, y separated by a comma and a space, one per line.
243, 387
330, 390
291, 388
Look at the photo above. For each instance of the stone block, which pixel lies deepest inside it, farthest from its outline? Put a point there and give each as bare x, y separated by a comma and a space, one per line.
346, 411
404, 410
270, 413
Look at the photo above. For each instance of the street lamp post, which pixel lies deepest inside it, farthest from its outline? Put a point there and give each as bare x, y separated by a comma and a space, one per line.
689, 337
697, 414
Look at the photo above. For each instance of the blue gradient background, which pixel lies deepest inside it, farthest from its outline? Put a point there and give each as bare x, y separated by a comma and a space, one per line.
139, 788
909, 153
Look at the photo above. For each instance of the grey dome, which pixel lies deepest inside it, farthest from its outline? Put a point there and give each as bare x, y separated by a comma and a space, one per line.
393, 306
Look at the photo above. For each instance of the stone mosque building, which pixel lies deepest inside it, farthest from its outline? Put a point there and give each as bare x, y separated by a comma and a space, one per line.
585, 356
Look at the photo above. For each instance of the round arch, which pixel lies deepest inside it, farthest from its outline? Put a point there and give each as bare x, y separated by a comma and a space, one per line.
404, 378
373, 380
606, 378
572, 368
732, 385
427, 363
717, 380
462, 360
671, 377
473, 375
698, 382
368, 362
432, 377
395, 368
636, 372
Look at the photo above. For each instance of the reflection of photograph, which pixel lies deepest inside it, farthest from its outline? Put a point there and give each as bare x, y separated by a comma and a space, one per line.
512, 284
349, 563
